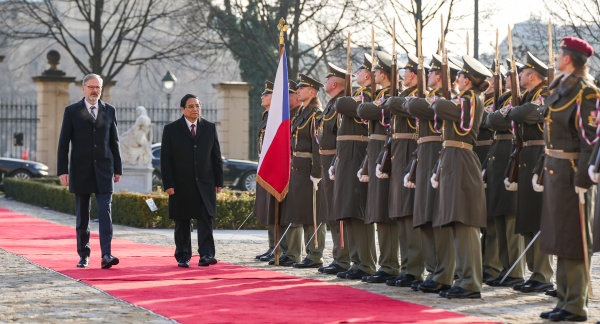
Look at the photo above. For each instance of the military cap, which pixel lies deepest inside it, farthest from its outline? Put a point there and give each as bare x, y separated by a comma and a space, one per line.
292, 86
436, 64
334, 70
502, 71
383, 62
534, 63
517, 64
455, 66
413, 63
367, 63
474, 70
306, 81
578, 45
268, 87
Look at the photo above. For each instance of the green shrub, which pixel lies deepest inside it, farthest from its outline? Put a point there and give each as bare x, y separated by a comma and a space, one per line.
130, 208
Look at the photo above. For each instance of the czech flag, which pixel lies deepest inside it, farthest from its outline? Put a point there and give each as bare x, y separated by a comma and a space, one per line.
274, 163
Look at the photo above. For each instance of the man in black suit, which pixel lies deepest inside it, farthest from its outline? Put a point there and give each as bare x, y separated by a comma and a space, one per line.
192, 173
90, 127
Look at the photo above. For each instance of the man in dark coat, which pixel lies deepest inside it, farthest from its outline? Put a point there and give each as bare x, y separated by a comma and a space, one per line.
90, 127
192, 171
569, 133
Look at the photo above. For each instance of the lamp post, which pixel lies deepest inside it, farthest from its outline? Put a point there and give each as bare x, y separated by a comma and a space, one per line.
168, 83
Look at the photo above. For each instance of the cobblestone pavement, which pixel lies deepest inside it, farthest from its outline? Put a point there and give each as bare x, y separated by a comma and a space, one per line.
33, 294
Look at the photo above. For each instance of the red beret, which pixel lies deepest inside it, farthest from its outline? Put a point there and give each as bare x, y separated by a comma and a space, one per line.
577, 44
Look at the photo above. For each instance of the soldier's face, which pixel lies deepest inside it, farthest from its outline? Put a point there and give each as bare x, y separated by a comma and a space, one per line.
562, 60
363, 77
294, 100
379, 76
265, 100
330, 84
463, 82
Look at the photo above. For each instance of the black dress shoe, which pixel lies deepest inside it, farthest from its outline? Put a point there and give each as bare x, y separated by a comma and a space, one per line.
546, 315
392, 282
461, 293
407, 281
343, 274
266, 258
432, 287
356, 274
272, 259
563, 315
487, 276
508, 282
415, 285
536, 286
183, 264
443, 293
380, 277
109, 261
307, 263
333, 269
258, 257
283, 261
83, 262
552, 293
518, 286
207, 260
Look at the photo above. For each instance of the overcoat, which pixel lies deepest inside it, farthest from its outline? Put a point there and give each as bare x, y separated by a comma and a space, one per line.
95, 154
328, 128
462, 196
264, 203
349, 194
192, 166
569, 127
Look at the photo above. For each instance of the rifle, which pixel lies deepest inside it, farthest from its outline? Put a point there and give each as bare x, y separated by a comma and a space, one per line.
373, 85
446, 83
348, 90
550, 53
420, 70
513, 170
386, 158
364, 166
412, 170
497, 77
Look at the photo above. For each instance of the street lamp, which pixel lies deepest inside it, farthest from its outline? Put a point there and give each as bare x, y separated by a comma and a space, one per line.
168, 83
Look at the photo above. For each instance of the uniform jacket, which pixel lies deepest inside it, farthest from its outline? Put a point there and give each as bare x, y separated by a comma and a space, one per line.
95, 155
328, 128
568, 127
192, 166
264, 203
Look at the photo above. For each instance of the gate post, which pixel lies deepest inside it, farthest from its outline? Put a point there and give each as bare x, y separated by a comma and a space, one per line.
233, 108
52, 98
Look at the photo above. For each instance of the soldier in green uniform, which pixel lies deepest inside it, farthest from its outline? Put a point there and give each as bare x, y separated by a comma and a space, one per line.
462, 196
569, 133
304, 181
349, 194
328, 127
378, 192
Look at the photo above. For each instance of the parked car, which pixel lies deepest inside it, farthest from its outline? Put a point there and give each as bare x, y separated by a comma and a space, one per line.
237, 174
22, 169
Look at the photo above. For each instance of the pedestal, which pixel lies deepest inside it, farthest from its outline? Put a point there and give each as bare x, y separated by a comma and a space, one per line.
136, 178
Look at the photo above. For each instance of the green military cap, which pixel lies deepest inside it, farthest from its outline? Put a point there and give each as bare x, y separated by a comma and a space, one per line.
474, 70
292, 86
367, 63
534, 63
502, 71
517, 64
383, 62
334, 70
306, 81
268, 87
436, 64
455, 66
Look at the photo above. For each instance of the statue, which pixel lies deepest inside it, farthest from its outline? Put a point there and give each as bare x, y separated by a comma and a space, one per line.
135, 144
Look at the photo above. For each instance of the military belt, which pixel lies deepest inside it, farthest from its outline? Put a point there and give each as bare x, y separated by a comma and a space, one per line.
534, 143
307, 155
378, 137
457, 144
426, 139
327, 152
358, 138
504, 137
484, 143
558, 154
405, 136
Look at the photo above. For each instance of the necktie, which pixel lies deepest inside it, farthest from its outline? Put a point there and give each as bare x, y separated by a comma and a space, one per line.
92, 111
193, 126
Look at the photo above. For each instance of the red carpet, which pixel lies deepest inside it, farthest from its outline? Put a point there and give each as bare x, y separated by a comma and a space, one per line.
149, 277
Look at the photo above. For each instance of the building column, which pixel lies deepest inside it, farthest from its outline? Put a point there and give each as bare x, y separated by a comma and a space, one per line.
233, 127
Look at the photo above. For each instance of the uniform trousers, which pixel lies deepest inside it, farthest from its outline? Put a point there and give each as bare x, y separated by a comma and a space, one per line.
411, 258
387, 235
540, 264
489, 247
510, 245
438, 253
571, 285
341, 256
361, 244
273, 242
467, 246
296, 246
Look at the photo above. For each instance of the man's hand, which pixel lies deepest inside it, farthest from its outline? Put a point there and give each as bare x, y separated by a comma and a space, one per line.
407, 183
536, 186
380, 174
510, 186
170, 191
331, 173
592, 173
218, 189
434, 183
64, 179
117, 178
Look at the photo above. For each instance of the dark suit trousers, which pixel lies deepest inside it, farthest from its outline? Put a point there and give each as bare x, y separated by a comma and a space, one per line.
82, 228
183, 237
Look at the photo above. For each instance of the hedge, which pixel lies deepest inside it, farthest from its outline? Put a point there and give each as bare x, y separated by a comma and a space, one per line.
130, 208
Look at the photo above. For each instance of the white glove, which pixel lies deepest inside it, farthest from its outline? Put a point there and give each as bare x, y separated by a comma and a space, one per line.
315, 182
536, 186
592, 173
434, 183
359, 173
409, 184
510, 186
380, 174
483, 176
361, 177
331, 174
581, 192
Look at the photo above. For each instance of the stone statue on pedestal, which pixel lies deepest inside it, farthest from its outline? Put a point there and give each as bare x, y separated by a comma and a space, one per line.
135, 142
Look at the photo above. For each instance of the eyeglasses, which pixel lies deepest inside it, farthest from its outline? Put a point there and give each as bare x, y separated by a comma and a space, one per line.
94, 87
193, 106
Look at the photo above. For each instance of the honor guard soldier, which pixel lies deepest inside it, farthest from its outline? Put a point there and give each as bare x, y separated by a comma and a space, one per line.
304, 181
437, 249
349, 194
403, 135
378, 192
335, 85
294, 102
569, 133
462, 196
